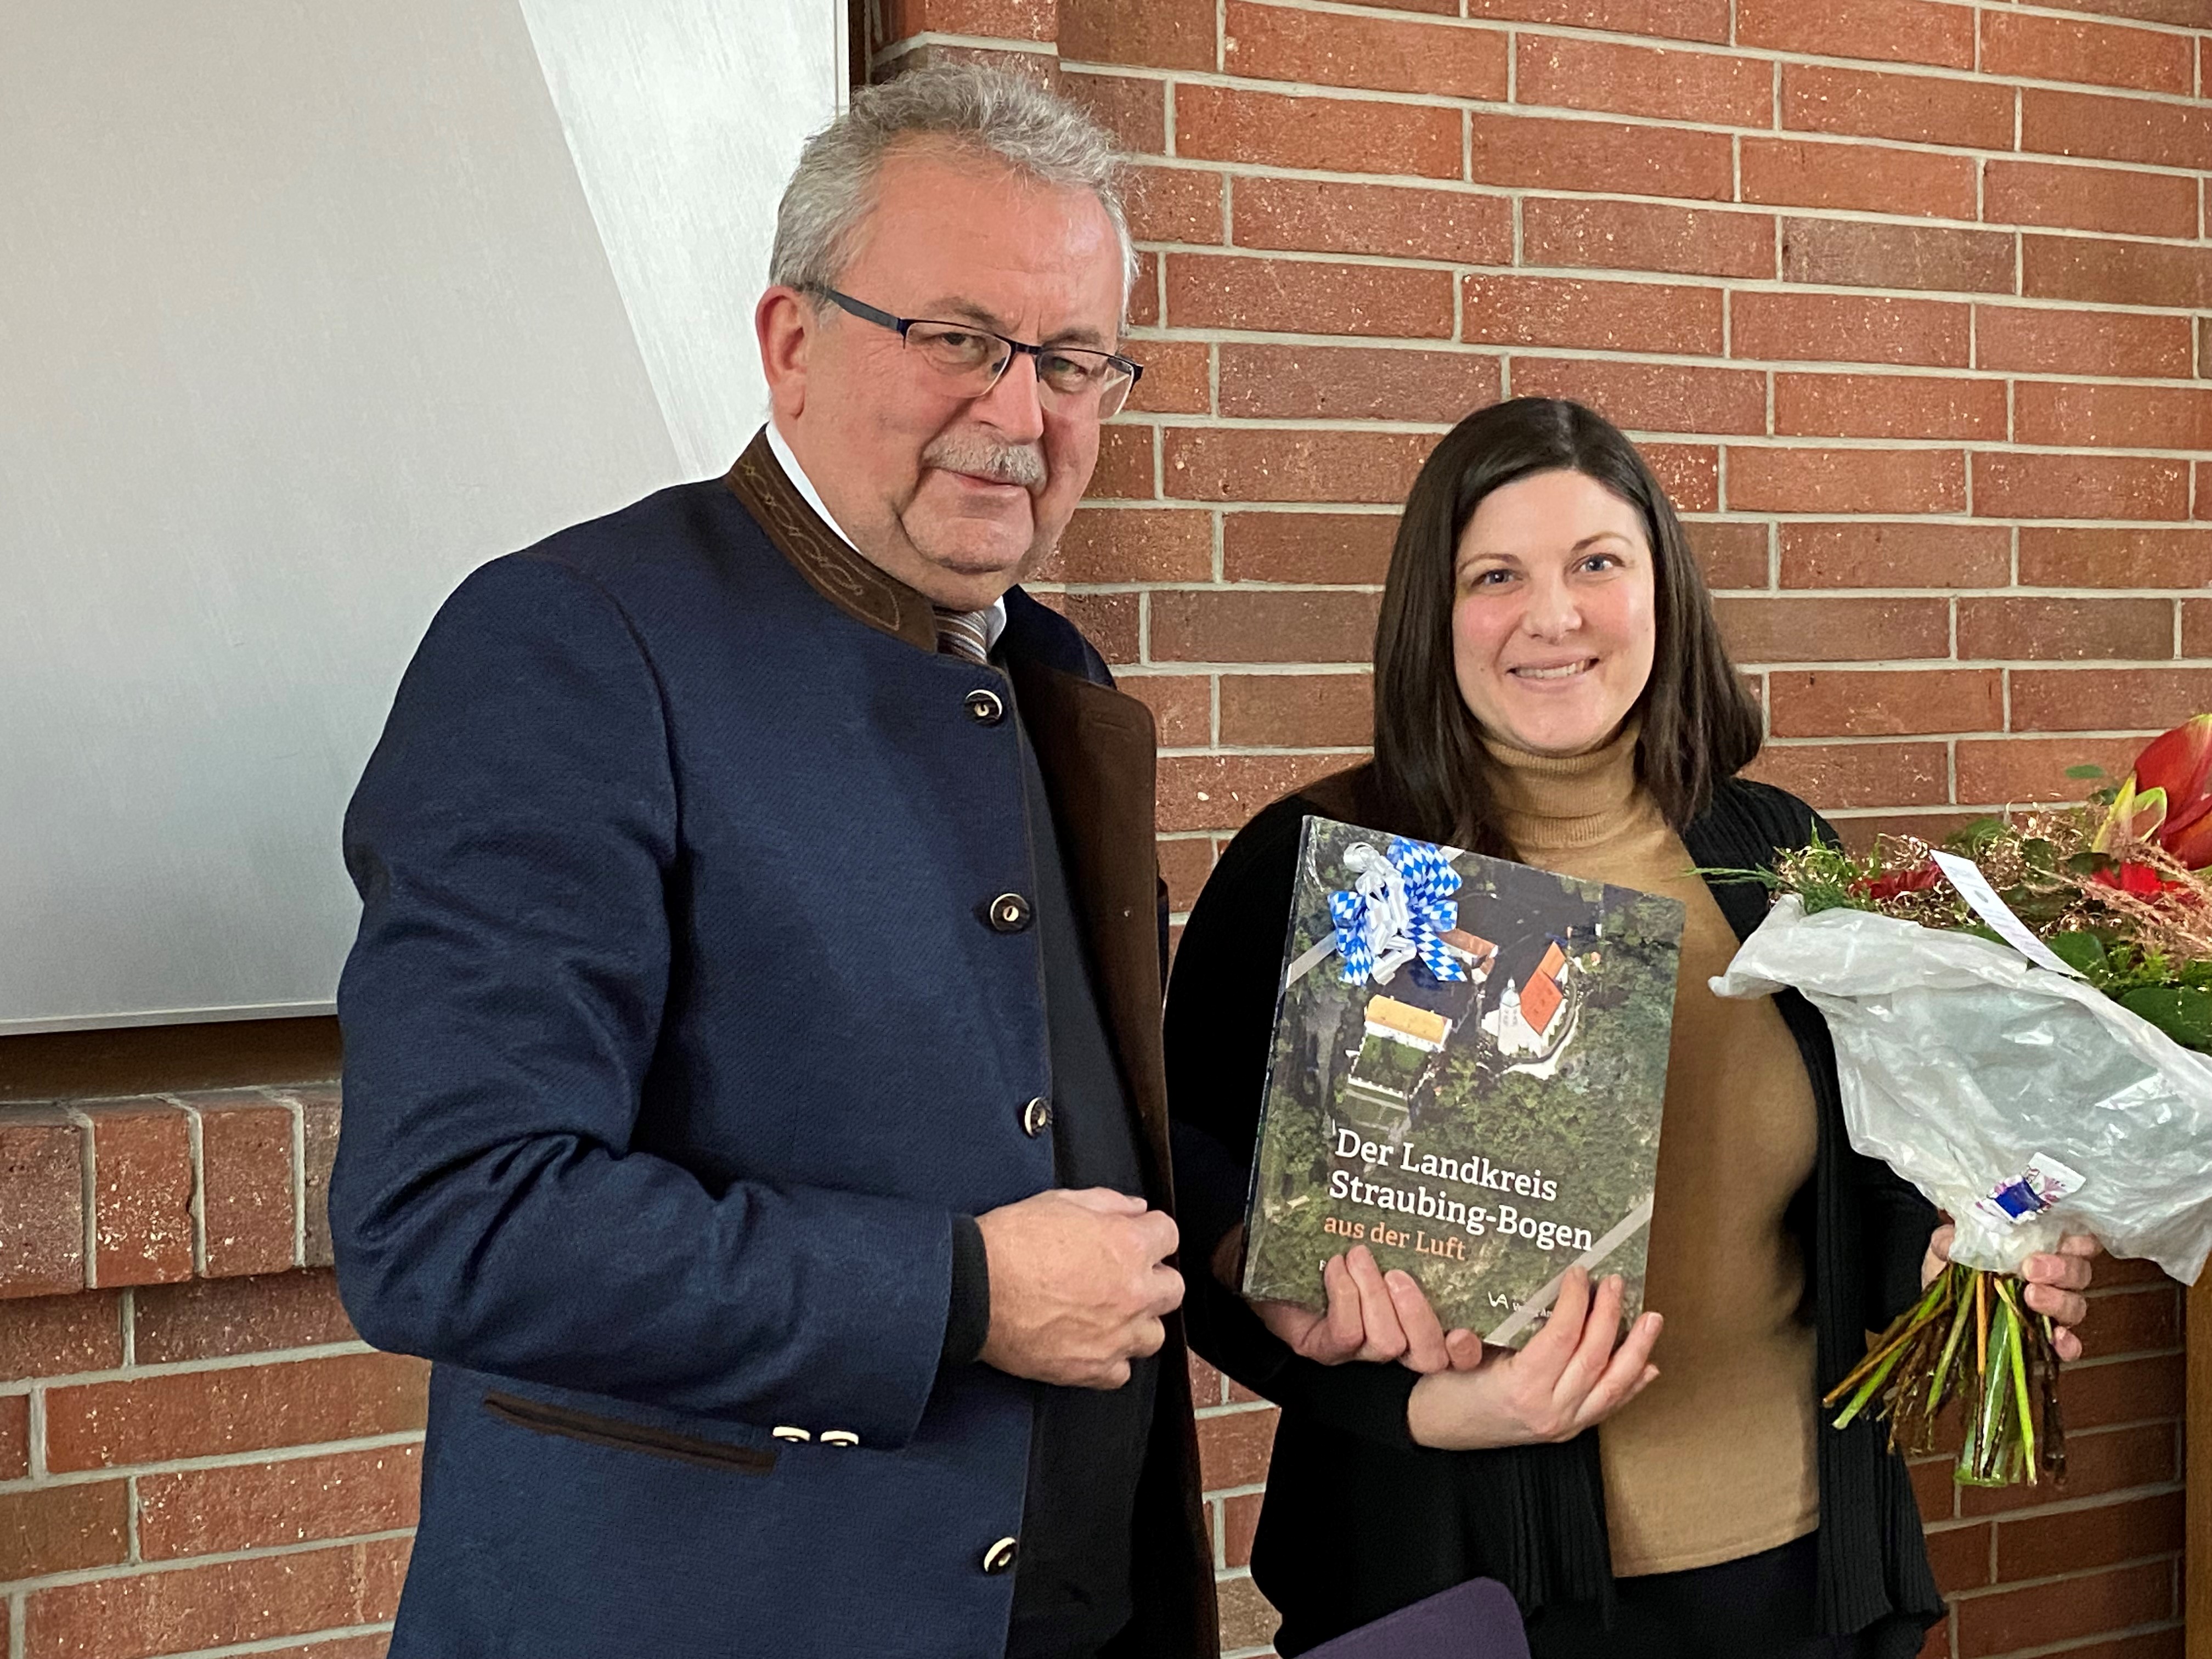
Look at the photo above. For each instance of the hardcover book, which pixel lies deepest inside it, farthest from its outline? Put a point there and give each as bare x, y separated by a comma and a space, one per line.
1469, 1065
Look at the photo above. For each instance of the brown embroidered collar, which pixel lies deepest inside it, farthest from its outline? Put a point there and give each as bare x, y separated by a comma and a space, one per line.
818, 553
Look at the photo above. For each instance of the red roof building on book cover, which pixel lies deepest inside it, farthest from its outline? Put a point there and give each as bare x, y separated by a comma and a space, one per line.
1541, 996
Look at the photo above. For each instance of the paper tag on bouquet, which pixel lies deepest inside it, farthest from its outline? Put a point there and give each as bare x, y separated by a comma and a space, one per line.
2042, 1184
1974, 887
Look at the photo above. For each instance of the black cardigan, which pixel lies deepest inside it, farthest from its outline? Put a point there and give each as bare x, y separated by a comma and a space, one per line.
1359, 1520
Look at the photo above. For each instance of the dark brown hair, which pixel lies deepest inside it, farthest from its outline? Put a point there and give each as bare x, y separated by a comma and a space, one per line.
1432, 773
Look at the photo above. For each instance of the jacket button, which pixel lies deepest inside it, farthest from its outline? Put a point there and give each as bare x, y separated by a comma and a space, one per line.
1000, 1557
1009, 913
839, 1437
786, 1432
1036, 1118
985, 708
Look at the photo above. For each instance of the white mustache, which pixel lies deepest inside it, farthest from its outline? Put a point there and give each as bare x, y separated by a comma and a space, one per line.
1012, 464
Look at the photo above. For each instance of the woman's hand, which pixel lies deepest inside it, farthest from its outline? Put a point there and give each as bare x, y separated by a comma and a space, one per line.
1372, 1315
1568, 1376
2055, 1283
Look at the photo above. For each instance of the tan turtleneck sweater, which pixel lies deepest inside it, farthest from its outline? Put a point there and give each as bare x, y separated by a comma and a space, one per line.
1715, 1460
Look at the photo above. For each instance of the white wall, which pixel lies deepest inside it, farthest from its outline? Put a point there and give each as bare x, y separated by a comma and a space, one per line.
306, 311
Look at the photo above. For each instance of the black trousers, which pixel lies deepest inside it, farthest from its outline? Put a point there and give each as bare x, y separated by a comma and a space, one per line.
1758, 1607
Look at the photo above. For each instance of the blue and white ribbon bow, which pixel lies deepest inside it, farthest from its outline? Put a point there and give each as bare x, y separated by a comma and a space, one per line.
1398, 906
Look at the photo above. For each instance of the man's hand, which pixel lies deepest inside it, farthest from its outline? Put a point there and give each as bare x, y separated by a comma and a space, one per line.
1079, 1286
1570, 1375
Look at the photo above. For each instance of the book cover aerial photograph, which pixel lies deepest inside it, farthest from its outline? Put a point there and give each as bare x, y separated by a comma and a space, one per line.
1470, 1057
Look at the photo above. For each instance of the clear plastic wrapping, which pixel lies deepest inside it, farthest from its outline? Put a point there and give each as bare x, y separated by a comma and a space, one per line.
1966, 1069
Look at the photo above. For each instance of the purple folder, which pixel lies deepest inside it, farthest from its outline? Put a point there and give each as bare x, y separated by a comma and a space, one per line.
1473, 1620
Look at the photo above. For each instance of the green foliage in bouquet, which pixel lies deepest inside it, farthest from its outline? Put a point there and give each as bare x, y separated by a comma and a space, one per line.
2130, 920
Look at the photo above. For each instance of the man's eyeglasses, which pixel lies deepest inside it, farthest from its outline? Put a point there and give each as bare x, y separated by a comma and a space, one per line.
970, 360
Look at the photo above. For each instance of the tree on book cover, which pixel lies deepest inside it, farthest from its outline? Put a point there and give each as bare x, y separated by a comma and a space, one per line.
1469, 1062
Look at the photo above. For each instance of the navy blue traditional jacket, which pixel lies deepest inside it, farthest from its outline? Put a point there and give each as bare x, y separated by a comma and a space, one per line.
680, 1027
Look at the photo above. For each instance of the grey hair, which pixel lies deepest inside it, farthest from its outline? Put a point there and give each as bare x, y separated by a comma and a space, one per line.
1033, 131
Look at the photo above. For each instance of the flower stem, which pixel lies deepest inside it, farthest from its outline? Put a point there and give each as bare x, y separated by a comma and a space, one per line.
1981, 1323
2008, 1380
1950, 1350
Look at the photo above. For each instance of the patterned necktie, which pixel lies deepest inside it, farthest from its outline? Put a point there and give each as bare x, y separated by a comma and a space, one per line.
963, 634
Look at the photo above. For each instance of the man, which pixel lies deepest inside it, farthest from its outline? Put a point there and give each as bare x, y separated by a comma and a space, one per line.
753, 1093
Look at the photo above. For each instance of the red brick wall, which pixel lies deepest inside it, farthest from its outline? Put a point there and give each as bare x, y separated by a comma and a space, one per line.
1900, 296
195, 1451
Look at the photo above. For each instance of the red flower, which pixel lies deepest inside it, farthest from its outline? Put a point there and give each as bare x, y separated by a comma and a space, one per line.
2139, 880
2178, 764
1891, 883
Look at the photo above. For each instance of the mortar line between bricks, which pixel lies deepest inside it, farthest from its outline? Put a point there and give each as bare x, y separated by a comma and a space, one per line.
1307, 91
1236, 1408
89, 1176
36, 1416
2083, 1644
1518, 266
224, 1362
284, 1643
2071, 1506
1807, 368
1235, 169
1983, 735
256, 1458
1785, 517
1256, 671
128, 1306
197, 1207
1121, 505
1322, 751
219, 1559
1984, 1592
1788, 442
1360, 9
16, 1635
299, 1119
1271, 170
1239, 750
1260, 585
1903, 69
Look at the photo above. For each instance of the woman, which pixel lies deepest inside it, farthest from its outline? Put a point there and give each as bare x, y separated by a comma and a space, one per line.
1550, 685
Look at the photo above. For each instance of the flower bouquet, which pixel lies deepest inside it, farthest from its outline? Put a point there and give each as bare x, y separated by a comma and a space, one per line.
2023, 1027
